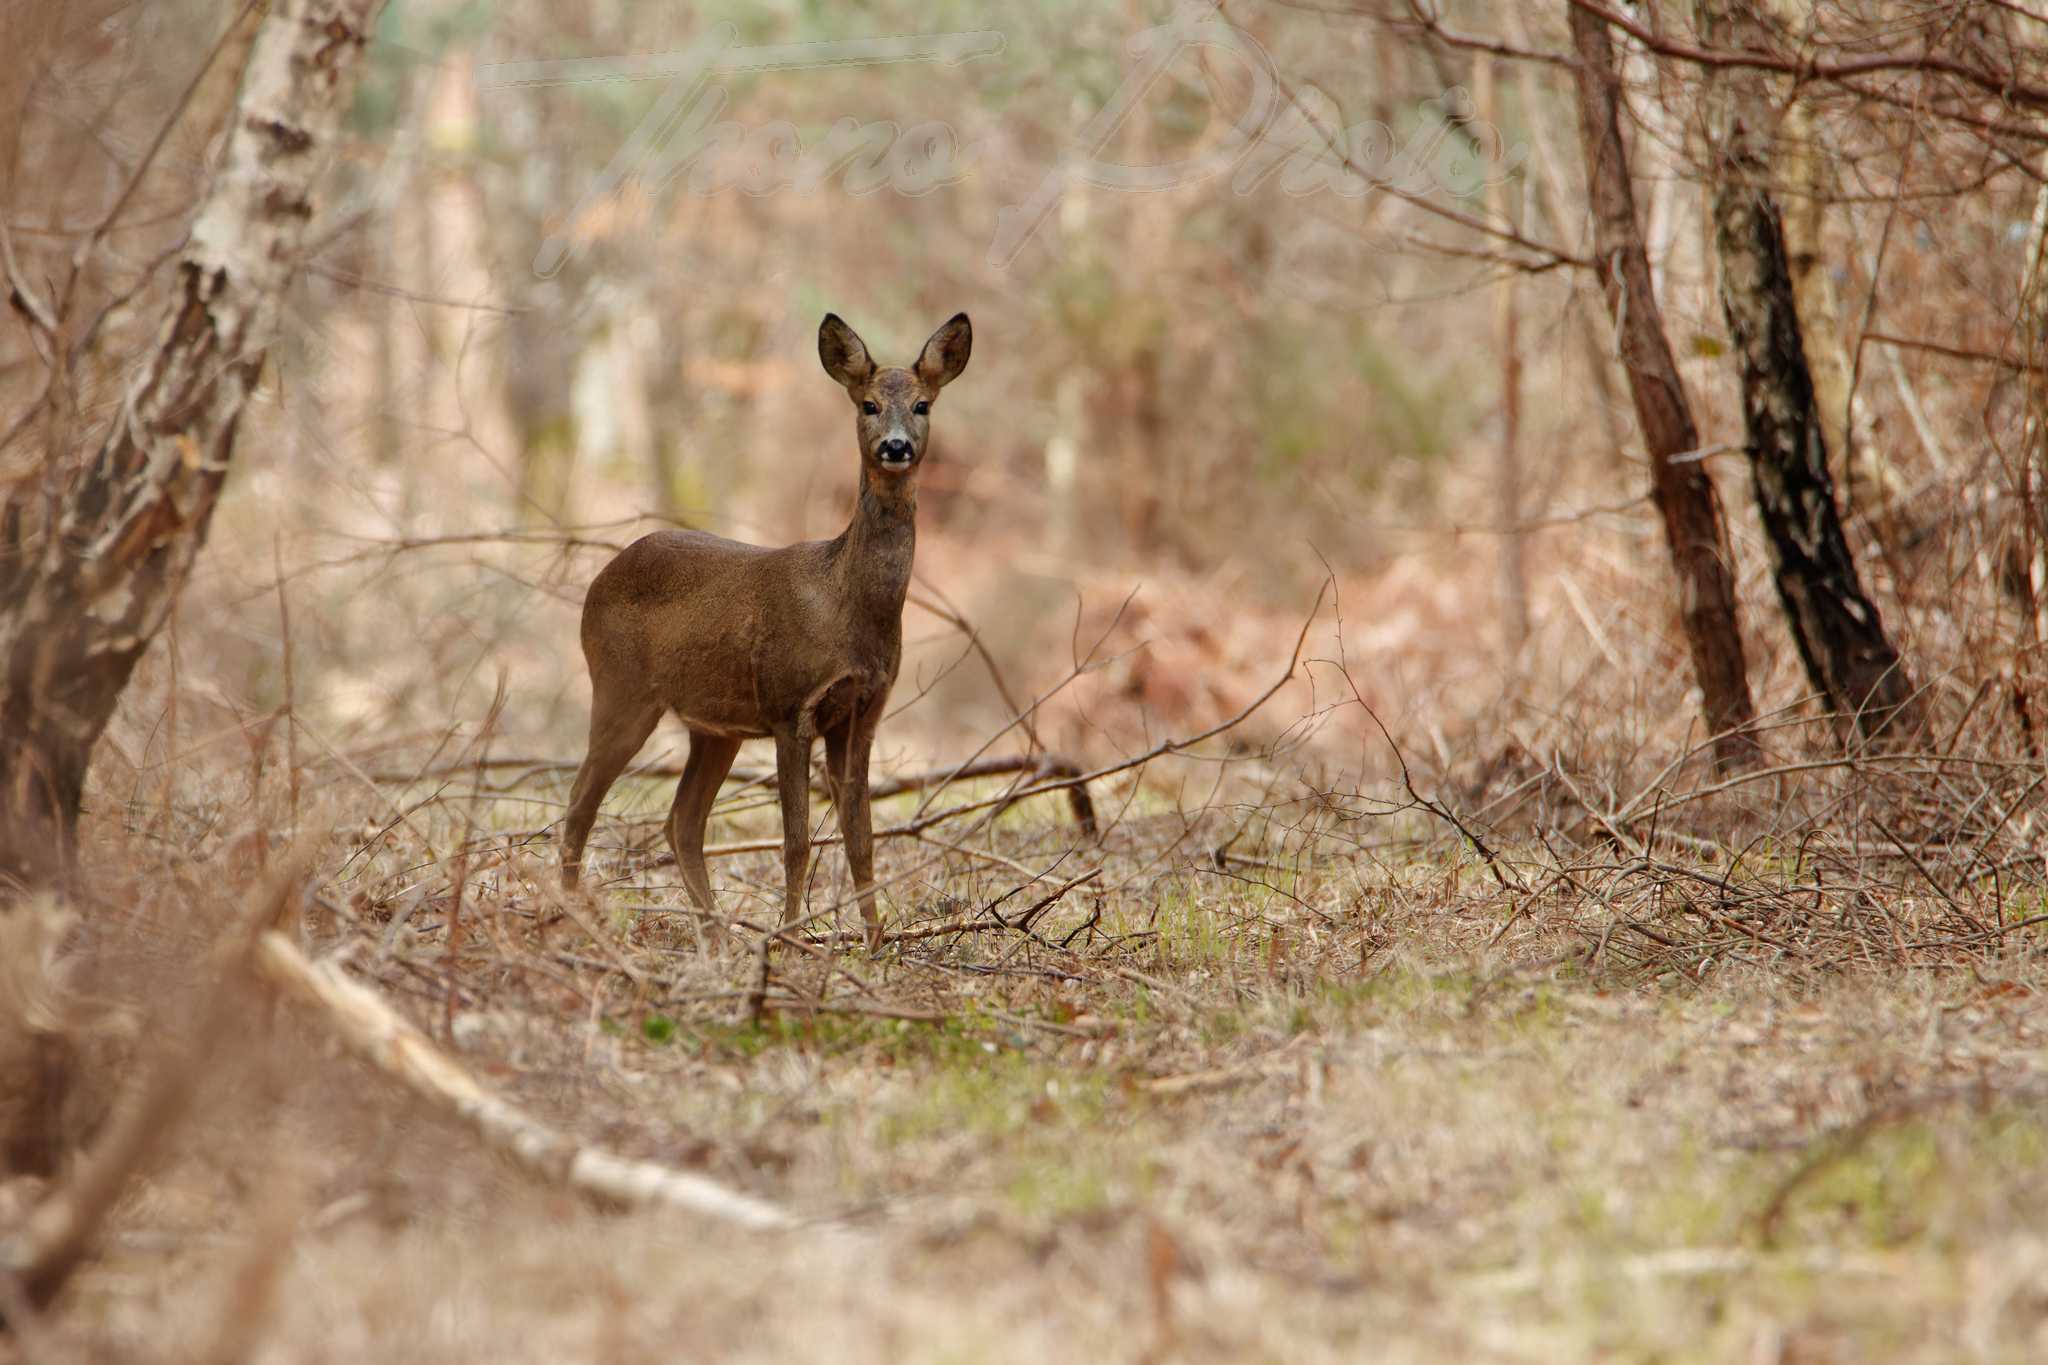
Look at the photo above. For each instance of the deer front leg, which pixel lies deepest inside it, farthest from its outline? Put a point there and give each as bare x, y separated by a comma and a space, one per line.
793, 780
846, 759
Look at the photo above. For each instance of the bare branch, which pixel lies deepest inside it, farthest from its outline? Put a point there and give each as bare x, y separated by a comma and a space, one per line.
1811, 69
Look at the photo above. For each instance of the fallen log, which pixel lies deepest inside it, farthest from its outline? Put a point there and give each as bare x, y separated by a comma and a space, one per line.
376, 1033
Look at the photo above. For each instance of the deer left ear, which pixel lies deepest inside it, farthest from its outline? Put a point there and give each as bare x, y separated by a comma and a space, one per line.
842, 353
945, 355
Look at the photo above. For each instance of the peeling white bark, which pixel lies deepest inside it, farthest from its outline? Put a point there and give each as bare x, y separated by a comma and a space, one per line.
86, 595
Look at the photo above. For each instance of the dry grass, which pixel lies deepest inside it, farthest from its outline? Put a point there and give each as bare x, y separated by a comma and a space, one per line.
1641, 1088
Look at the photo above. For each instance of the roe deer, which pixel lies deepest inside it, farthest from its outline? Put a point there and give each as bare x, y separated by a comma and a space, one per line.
743, 642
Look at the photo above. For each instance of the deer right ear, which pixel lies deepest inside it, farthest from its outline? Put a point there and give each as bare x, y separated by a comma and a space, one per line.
844, 355
945, 355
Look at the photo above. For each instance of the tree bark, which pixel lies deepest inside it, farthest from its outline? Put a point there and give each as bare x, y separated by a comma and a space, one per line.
1683, 493
1514, 541
1841, 637
89, 572
1808, 171
2029, 576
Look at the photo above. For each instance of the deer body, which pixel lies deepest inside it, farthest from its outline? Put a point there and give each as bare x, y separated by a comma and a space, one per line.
740, 641
743, 642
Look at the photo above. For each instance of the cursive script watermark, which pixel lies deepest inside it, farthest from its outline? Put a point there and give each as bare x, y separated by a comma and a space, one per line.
1297, 140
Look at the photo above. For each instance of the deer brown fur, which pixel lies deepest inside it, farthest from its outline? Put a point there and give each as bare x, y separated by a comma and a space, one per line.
794, 644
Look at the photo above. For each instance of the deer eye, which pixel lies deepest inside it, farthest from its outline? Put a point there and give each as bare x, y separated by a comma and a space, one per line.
921, 407
870, 407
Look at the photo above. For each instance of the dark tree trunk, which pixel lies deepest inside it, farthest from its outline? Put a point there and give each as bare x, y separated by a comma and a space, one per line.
90, 564
1694, 531
1840, 635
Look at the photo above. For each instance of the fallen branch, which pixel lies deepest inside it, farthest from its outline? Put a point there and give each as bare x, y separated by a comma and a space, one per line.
376, 1033
987, 918
1160, 750
1061, 772
1022, 924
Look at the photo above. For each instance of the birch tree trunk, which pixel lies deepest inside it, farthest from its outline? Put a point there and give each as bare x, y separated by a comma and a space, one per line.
1849, 658
1691, 511
90, 565
1808, 171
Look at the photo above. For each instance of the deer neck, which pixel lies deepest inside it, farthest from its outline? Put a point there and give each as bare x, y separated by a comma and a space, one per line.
877, 550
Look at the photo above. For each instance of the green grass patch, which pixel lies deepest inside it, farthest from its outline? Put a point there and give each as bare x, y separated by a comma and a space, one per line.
967, 1037
998, 1095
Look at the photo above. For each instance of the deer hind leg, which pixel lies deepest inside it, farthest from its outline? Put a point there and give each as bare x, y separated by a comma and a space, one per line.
617, 730
846, 773
710, 760
793, 780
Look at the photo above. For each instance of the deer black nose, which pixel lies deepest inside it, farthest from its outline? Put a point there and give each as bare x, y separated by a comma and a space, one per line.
895, 450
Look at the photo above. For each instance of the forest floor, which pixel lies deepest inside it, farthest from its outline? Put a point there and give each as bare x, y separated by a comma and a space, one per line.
1296, 1081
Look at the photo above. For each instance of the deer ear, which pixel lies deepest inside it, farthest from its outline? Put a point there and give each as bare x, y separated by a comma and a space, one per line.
945, 355
844, 355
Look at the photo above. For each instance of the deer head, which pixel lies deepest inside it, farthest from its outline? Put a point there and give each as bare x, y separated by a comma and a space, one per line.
894, 405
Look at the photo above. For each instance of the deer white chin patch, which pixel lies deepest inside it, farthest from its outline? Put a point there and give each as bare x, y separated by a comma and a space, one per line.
894, 465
